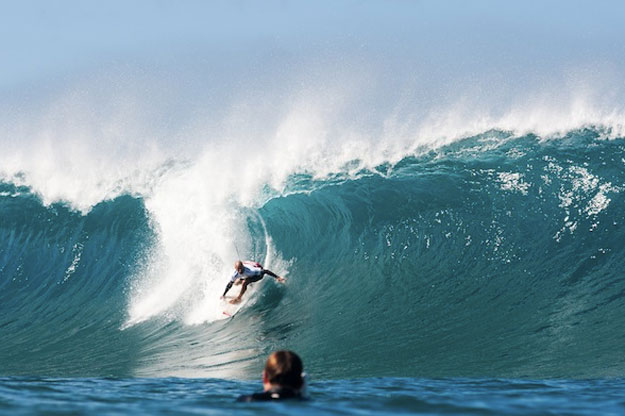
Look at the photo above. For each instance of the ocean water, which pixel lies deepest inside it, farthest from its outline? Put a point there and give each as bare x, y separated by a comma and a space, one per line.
375, 396
484, 276
443, 186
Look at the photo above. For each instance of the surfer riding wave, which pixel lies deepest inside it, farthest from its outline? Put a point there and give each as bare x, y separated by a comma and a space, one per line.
245, 273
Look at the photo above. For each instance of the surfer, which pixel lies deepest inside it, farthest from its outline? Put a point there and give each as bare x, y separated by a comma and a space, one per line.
245, 273
283, 378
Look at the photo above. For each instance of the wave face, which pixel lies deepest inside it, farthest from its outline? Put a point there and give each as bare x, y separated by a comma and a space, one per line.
497, 255
63, 284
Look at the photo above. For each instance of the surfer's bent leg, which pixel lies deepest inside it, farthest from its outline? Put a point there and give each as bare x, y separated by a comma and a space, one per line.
243, 288
249, 280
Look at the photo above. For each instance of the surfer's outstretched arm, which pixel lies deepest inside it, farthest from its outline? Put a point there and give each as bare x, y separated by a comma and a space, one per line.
228, 286
270, 273
275, 276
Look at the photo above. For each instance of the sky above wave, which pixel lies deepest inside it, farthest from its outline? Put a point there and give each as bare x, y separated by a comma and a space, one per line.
44, 41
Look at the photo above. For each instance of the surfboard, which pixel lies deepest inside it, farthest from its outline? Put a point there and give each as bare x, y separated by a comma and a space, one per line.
230, 309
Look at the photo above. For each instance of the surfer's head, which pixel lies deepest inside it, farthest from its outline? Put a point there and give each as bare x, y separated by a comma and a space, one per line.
238, 266
283, 369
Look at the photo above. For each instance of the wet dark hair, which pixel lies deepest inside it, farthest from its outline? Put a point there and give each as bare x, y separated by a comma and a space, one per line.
284, 368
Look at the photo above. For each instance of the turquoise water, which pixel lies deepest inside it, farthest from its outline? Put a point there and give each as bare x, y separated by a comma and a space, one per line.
460, 262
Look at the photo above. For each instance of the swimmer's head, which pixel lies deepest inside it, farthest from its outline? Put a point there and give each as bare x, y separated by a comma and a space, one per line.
283, 369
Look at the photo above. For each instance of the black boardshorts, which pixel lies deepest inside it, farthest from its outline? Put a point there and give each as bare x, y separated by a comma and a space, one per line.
253, 279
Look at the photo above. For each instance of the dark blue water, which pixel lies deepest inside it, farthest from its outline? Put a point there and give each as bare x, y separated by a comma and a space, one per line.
377, 396
482, 277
